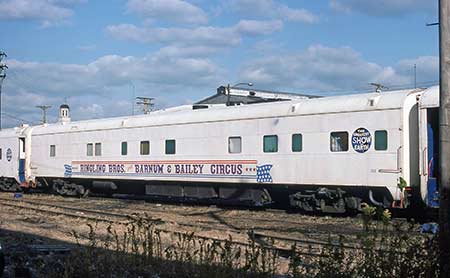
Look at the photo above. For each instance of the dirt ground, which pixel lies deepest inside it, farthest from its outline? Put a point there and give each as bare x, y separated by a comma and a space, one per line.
21, 229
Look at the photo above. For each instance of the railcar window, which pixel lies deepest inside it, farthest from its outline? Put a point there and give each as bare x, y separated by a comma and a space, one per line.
339, 141
297, 142
124, 148
170, 146
270, 143
145, 147
1, 152
52, 150
234, 145
381, 140
90, 149
98, 149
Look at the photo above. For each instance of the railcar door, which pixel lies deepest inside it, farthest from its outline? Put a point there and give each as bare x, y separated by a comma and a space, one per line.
429, 136
22, 156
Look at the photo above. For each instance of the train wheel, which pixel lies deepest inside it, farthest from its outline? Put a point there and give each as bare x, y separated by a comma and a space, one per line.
64, 188
9, 186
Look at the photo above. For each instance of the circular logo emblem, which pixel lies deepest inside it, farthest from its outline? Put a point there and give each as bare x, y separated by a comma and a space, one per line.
361, 140
9, 154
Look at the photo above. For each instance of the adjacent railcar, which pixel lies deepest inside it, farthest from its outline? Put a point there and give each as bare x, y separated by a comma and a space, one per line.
12, 158
327, 154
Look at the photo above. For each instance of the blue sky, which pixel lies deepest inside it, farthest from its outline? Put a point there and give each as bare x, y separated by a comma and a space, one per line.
92, 53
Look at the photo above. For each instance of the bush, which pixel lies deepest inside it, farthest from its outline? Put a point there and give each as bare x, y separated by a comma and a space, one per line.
140, 249
384, 249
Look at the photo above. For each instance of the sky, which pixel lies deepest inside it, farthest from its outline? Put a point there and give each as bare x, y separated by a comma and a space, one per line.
95, 54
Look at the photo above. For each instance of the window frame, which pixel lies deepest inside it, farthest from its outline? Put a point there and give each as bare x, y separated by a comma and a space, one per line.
301, 143
141, 149
52, 150
229, 144
174, 146
346, 145
89, 149
375, 139
265, 137
98, 149
124, 148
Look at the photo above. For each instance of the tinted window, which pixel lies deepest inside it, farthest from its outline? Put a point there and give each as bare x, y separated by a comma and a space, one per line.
270, 144
170, 146
90, 149
52, 150
339, 141
381, 140
124, 148
297, 142
234, 145
145, 147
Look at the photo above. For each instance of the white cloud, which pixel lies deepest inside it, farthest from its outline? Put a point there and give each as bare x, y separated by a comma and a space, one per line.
205, 36
184, 36
427, 69
384, 7
255, 27
271, 9
47, 12
103, 87
188, 51
168, 10
321, 68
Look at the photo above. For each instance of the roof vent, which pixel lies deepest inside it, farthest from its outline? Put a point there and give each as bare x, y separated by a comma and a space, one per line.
373, 101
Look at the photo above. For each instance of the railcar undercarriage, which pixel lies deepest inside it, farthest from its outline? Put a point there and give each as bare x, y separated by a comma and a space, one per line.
9, 185
325, 200
311, 199
173, 191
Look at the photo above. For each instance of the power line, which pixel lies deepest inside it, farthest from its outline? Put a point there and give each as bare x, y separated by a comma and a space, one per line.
14, 117
3, 68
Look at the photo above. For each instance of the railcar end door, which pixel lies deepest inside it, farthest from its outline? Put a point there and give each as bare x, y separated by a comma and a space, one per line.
22, 156
429, 128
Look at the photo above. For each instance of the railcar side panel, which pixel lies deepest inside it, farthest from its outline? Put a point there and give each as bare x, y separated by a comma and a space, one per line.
202, 153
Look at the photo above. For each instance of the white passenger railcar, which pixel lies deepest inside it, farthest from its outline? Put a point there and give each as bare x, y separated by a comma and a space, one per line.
326, 154
12, 158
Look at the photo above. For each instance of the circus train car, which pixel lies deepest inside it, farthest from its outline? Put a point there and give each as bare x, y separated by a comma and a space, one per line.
321, 154
13, 146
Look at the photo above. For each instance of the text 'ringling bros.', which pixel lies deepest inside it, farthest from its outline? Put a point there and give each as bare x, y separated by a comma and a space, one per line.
164, 168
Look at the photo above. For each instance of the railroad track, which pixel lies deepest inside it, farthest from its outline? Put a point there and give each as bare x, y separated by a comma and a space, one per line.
235, 222
280, 243
264, 240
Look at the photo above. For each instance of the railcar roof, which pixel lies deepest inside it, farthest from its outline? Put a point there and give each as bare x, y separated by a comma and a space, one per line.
11, 132
185, 114
430, 97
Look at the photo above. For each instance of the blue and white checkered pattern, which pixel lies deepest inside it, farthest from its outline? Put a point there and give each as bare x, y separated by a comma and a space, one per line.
263, 173
68, 170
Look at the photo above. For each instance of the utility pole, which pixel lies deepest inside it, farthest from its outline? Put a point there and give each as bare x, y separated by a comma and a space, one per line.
147, 104
44, 112
134, 97
3, 68
444, 137
415, 76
